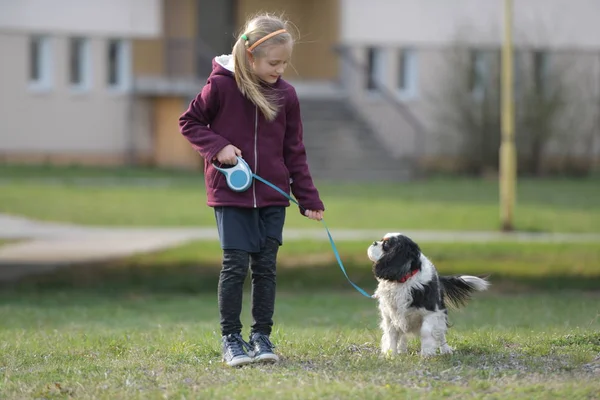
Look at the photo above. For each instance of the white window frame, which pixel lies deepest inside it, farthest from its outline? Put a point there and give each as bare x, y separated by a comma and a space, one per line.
407, 72
44, 81
480, 69
123, 65
84, 64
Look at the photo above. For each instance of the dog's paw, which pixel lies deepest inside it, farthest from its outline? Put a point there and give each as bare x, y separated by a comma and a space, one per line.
388, 354
445, 349
428, 352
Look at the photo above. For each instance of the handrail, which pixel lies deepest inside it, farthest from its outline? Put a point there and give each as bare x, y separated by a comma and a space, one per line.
388, 95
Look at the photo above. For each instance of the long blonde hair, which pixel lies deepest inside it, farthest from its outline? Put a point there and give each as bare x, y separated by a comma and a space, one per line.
257, 28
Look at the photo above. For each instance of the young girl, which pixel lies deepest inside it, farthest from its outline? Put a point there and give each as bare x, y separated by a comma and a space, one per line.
246, 109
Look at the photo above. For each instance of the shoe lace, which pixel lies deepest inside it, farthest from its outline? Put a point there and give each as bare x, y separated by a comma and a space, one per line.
263, 342
237, 345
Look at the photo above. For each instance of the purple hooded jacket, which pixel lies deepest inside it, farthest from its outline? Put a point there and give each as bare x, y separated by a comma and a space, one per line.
221, 115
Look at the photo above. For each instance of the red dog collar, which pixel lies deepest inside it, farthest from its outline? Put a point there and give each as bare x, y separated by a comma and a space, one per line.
408, 276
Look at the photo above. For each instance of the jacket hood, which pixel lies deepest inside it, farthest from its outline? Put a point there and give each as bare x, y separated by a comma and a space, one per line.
223, 65
225, 61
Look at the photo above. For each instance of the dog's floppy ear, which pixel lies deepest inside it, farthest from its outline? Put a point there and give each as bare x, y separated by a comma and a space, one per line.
401, 256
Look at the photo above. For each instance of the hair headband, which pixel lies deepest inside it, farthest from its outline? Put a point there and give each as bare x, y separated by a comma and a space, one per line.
266, 37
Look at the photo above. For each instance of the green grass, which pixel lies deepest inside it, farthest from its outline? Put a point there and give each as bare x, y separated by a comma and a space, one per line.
311, 265
147, 327
73, 344
167, 198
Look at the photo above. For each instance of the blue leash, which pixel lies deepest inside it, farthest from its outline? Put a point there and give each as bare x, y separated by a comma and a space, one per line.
335, 250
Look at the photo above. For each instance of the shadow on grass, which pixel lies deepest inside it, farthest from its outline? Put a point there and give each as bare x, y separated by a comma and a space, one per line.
114, 278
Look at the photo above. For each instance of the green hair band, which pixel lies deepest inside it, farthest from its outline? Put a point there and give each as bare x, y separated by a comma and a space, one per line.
244, 37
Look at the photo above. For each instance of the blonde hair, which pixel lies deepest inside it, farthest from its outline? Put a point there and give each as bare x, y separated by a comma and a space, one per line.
249, 41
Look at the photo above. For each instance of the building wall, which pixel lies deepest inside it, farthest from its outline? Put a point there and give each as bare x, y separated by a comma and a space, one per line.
162, 62
59, 119
58, 122
171, 148
172, 54
432, 30
550, 23
102, 125
128, 18
577, 127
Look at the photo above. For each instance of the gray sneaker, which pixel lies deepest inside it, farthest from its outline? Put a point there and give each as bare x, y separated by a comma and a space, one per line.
262, 348
235, 350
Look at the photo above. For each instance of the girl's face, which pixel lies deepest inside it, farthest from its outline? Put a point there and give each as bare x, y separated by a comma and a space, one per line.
271, 65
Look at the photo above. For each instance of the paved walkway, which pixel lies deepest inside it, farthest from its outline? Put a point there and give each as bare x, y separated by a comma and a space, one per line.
41, 246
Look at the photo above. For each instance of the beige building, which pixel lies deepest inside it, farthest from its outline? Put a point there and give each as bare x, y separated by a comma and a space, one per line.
410, 47
104, 81
66, 78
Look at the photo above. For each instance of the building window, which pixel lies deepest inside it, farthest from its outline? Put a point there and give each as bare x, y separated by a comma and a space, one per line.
40, 62
478, 76
375, 68
517, 73
79, 63
541, 72
407, 73
118, 63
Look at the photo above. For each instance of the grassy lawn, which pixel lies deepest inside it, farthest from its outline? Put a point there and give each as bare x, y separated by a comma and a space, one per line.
72, 344
311, 265
147, 327
165, 198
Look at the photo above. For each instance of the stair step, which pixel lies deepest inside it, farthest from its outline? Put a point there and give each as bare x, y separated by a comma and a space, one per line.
342, 146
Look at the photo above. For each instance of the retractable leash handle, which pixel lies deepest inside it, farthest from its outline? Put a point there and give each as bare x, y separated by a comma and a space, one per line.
239, 178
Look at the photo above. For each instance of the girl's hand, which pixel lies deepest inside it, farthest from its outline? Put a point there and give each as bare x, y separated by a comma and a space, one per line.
316, 215
228, 155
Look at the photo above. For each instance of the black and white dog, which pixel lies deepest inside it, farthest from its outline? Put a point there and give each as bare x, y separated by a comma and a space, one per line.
412, 295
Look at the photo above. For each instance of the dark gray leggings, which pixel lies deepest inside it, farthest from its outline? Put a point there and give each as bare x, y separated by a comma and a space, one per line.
231, 285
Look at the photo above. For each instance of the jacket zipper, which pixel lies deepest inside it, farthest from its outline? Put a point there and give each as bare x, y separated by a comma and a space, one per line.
255, 153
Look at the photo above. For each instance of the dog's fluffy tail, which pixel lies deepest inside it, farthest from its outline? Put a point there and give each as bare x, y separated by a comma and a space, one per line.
458, 289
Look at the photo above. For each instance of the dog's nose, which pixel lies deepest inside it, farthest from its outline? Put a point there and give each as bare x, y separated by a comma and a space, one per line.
374, 243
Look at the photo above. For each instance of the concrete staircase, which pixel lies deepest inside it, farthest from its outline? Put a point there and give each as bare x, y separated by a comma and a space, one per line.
342, 147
